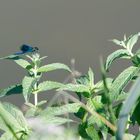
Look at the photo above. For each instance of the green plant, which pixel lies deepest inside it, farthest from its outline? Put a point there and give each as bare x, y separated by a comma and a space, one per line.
104, 109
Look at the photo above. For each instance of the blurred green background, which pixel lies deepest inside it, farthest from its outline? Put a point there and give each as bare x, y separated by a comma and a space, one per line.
62, 30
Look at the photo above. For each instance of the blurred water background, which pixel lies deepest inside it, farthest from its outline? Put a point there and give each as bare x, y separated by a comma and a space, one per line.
62, 30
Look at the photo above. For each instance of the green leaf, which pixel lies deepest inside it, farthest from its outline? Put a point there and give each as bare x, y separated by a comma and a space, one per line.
95, 120
92, 132
126, 108
41, 103
61, 110
117, 42
8, 121
99, 86
23, 63
11, 57
17, 114
80, 113
7, 136
84, 80
53, 66
14, 89
121, 53
121, 81
95, 105
136, 60
122, 96
132, 41
82, 131
137, 137
54, 120
138, 53
27, 84
49, 85
32, 112
75, 88
51, 112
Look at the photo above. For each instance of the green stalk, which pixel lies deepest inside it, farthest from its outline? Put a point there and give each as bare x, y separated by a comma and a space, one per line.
92, 112
35, 86
106, 94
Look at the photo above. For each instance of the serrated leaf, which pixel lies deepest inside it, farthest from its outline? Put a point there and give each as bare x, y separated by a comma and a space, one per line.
49, 85
75, 88
92, 132
121, 53
99, 86
14, 89
7, 120
80, 113
96, 104
121, 81
122, 96
53, 66
12, 57
138, 52
31, 112
61, 110
117, 42
7, 136
23, 63
41, 103
43, 57
129, 103
55, 120
82, 130
95, 120
132, 41
84, 80
27, 84
17, 114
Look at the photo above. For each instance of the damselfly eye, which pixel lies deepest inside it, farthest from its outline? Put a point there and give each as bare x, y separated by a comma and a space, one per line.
36, 48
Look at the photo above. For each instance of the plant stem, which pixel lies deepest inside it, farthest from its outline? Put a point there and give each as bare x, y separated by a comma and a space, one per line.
35, 86
92, 112
113, 118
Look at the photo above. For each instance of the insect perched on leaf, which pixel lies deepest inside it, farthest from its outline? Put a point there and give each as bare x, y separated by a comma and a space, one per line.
26, 49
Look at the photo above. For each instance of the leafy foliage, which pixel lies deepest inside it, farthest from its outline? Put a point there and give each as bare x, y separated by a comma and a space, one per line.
12, 121
121, 81
104, 109
121, 53
127, 107
48, 85
14, 89
27, 84
54, 66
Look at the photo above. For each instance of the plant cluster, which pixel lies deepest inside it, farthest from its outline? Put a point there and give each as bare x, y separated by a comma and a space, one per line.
104, 109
